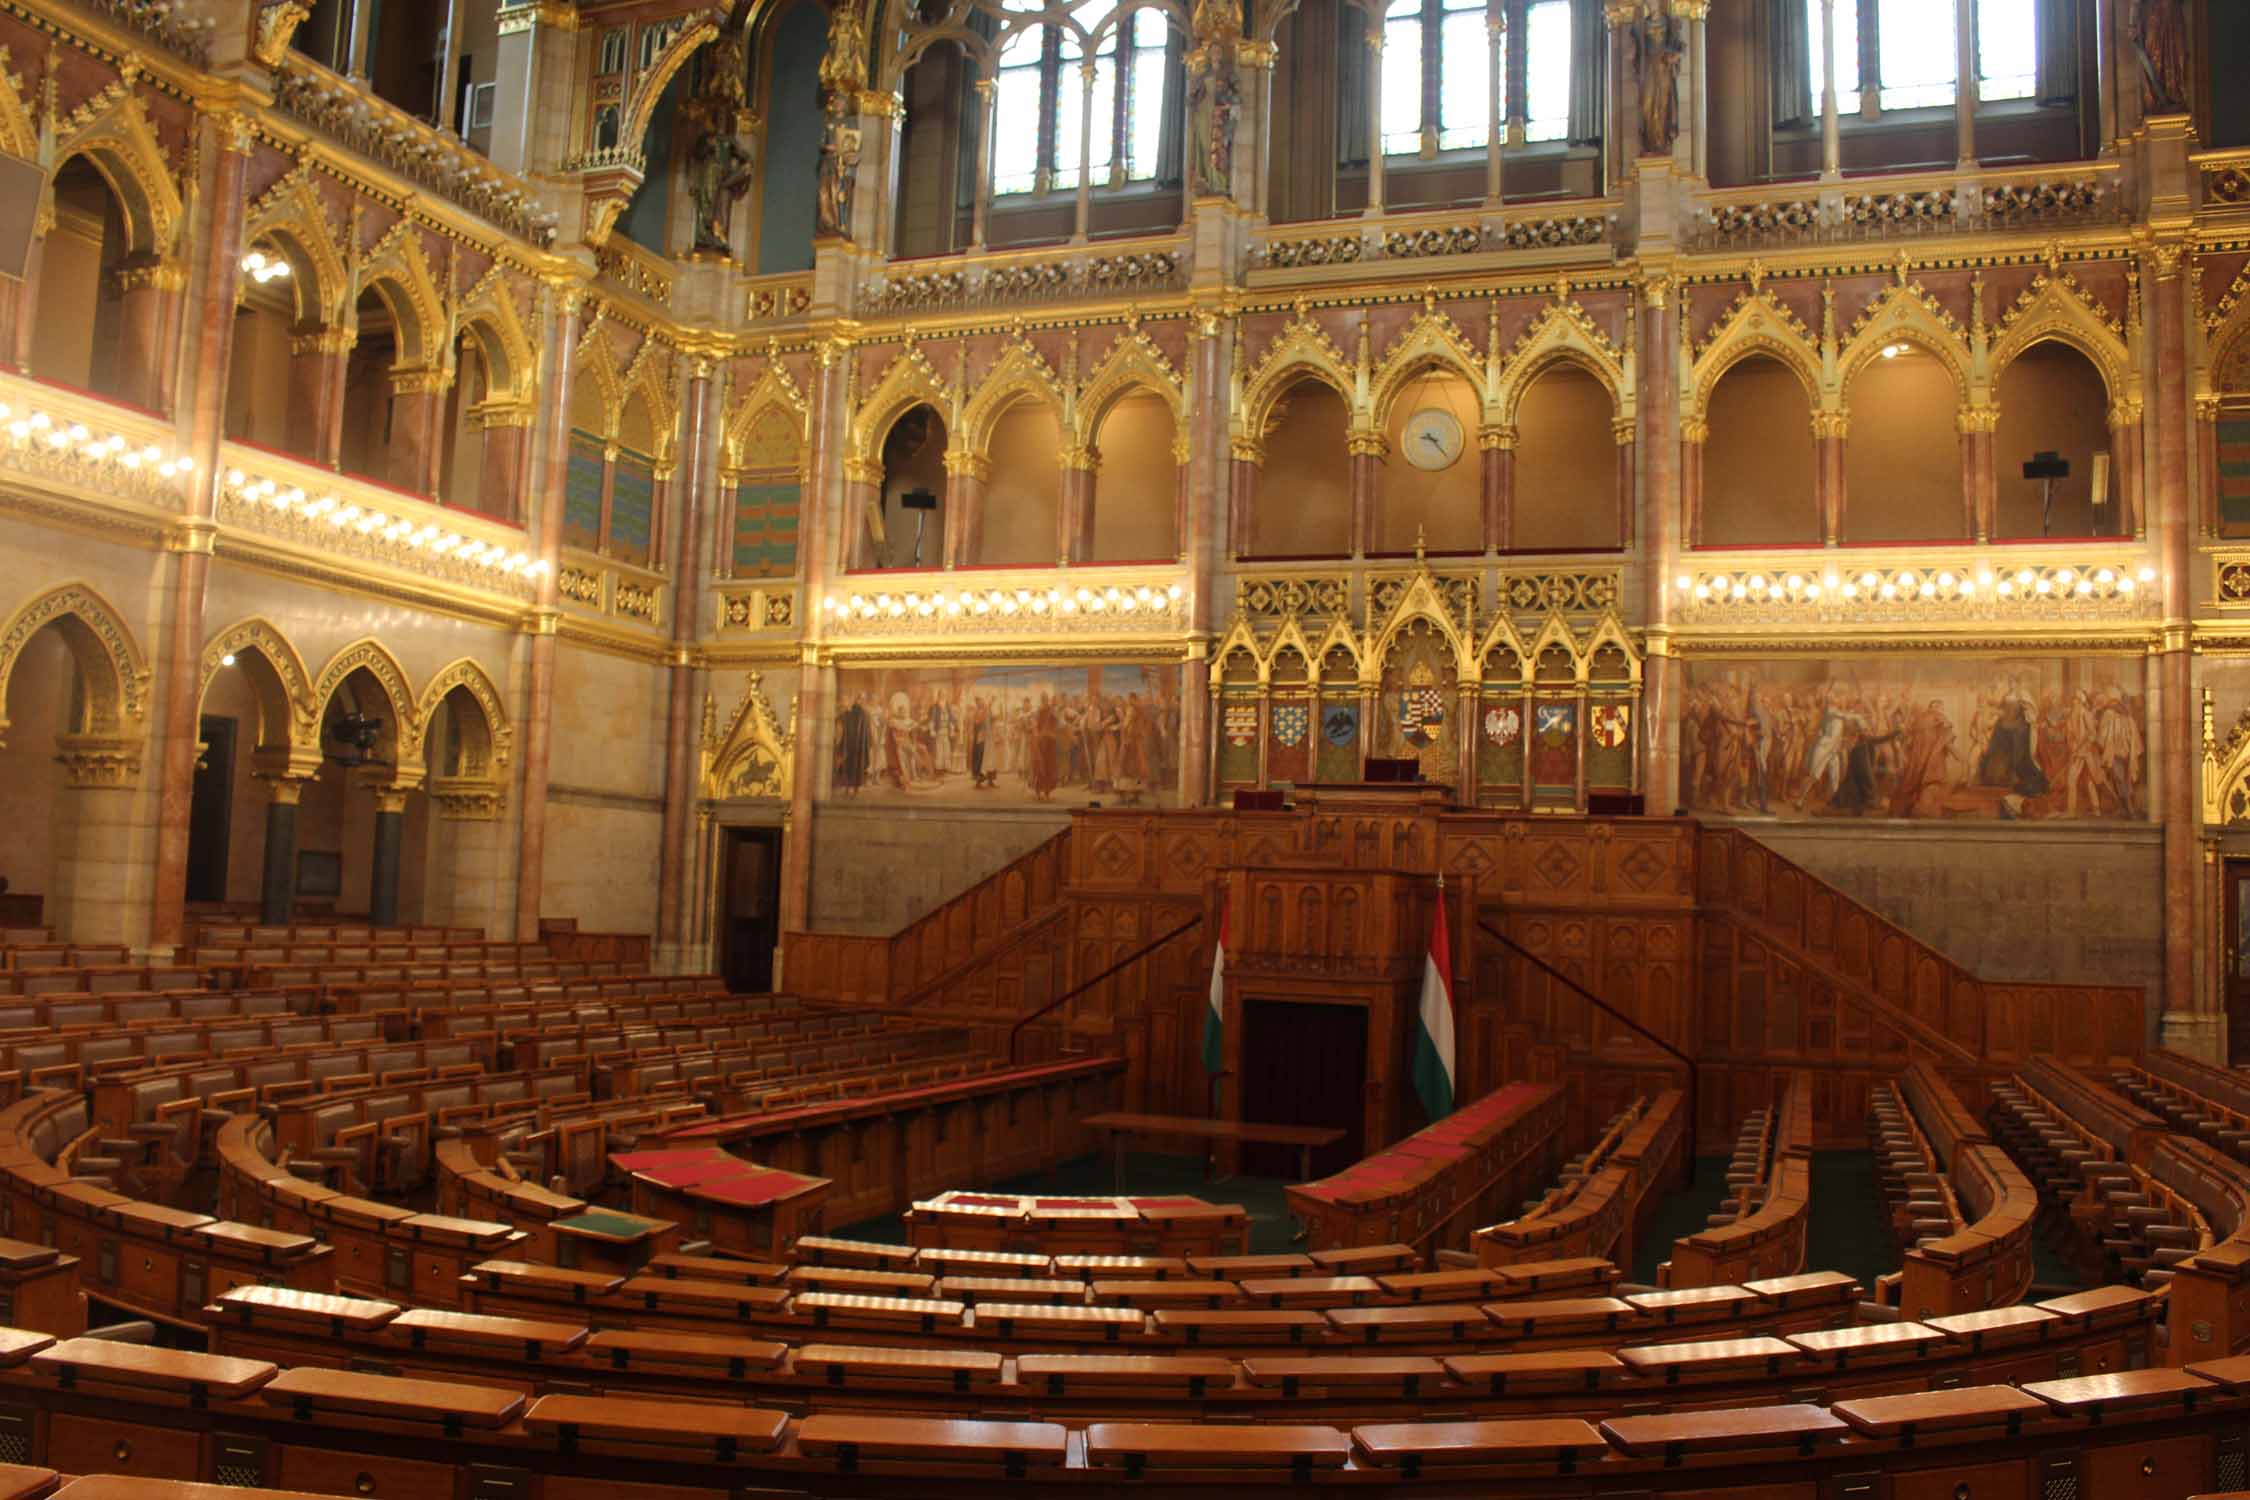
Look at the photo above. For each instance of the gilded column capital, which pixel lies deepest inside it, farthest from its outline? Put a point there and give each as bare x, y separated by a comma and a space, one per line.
324, 341
282, 790
390, 799
1979, 418
1830, 424
1085, 458
1365, 444
861, 471
424, 382
963, 464
2126, 412
1247, 450
1497, 437
160, 276
1256, 54
986, 88
2206, 409
237, 131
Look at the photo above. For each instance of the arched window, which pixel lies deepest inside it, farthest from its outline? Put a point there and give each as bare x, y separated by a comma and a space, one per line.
1040, 107
1438, 86
768, 482
613, 487
913, 464
1905, 53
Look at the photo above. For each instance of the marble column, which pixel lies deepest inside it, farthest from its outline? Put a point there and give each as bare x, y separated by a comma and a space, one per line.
1965, 85
830, 485
1496, 450
544, 520
1074, 517
2206, 462
277, 895
2125, 444
178, 728
1242, 525
1830, 429
689, 566
500, 466
1694, 434
1831, 132
966, 474
1083, 207
1367, 450
417, 445
1495, 142
1374, 117
980, 212
2188, 1023
1657, 403
390, 840
146, 295
1208, 454
317, 367
1621, 434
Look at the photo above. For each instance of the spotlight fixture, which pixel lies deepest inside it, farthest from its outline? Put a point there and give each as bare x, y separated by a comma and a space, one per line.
358, 733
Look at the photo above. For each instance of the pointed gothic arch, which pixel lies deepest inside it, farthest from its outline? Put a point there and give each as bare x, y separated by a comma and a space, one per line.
110, 663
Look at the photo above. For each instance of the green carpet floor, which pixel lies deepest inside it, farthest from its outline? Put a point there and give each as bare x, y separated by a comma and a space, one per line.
1682, 1211
1146, 1175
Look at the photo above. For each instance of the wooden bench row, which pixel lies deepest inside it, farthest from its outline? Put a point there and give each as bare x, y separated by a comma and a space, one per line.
1599, 1212
1432, 1188
1767, 1239
2143, 1431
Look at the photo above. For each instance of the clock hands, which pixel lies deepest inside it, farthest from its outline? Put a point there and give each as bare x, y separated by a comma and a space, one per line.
1432, 439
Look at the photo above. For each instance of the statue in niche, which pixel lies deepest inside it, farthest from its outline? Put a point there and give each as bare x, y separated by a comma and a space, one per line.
720, 170
1212, 111
1660, 49
839, 168
2159, 31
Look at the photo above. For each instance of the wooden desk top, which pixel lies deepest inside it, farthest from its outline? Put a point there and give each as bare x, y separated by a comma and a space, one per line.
1241, 1131
2124, 1390
527, 1273
1709, 1354
943, 1438
18, 1345
2097, 1302
1995, 1326
140, 1364
1138, 1370
1580, 1367
1193, 1445
1444, 1286
474, 1330
23, 1482
1970, 1406
695, 1424
981, 1365
1342, 1369
857, 1279
389, 1396
1867, 1340
942, 1259
1151, 1267
1718, 1431
659, 1291
275, 1304
132, 1487
1532, 1440
629, 1346
716, 1268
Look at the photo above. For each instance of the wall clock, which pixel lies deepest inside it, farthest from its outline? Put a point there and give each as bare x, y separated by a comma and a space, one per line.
1431, 438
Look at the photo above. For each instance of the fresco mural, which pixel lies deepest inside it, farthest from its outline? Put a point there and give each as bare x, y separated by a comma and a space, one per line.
2033, 738
1008, 736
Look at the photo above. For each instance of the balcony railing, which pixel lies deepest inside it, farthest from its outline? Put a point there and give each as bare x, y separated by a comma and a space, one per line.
1936, 585
1539, 227
1134, 267
1907, 207
368, 523
348, 113
1096, 600
84, 444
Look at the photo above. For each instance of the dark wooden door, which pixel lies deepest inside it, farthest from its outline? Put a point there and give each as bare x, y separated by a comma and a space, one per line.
749, 913
211, 813
1304, 1064
2236, 942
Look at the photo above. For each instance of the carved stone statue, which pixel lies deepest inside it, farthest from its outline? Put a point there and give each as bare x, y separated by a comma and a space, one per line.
1659, 45
843, 69
839, 169
720, 170
1211, 116
2159, 29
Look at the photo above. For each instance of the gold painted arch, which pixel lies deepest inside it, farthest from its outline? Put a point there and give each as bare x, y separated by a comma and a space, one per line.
113, 133
289, 714
111, 667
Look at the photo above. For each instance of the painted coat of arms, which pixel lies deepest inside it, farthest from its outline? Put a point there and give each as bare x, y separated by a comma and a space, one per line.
1421, 708
1290, 721
1242, 723
1341, 724
1502, 725
1609, 723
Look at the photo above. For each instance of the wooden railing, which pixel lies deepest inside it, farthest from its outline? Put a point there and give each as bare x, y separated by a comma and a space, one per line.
1962, 1020
939, 957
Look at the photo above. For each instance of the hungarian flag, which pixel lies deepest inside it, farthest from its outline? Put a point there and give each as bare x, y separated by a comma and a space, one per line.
1215, 1019
1433, 1031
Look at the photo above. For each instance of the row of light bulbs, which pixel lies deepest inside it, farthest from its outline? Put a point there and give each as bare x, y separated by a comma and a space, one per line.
1002, 602
37, 430
422, 537
1910, 584
262, 268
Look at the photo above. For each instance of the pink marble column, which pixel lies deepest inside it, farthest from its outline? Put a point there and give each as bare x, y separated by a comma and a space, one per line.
2206, 461
1074, 517
1496, 485
1366, 450
500, 469
1242, 529
178, 728
1988, 486
317, 365
1195, 732
965, 476
688, 562
1659, 446
2125, 443
24, 301
1628, 467
2178, 737
144, 314
1692, 439
417, 443
537, 734
1828, 476
826, 473
1972, 520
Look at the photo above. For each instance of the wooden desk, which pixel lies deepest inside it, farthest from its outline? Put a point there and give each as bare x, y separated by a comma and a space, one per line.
1306, 1138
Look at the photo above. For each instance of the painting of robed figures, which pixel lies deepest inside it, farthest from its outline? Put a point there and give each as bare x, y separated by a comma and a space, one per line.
2032, 738
1008, 736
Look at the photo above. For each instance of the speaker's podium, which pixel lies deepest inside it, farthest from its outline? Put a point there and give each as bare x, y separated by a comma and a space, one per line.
1324, 960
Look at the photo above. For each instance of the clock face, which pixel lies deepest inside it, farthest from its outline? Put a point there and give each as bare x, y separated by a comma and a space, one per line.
1432, 438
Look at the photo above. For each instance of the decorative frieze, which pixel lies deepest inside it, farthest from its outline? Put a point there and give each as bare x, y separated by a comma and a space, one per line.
1085, 274
760, 608
1054, 607
55, 445
1271, 596
1288, 251
1737, 223
635, 601
580, 586
787, 300
621, 265
1567, 591
1806, 589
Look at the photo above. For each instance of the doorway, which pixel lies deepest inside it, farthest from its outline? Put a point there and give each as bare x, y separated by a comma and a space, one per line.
1304, 1064
211, 812
2236, 944
749, 912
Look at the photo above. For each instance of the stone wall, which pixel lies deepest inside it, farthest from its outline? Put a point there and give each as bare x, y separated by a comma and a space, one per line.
2079, 905
875, 868
605, 797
